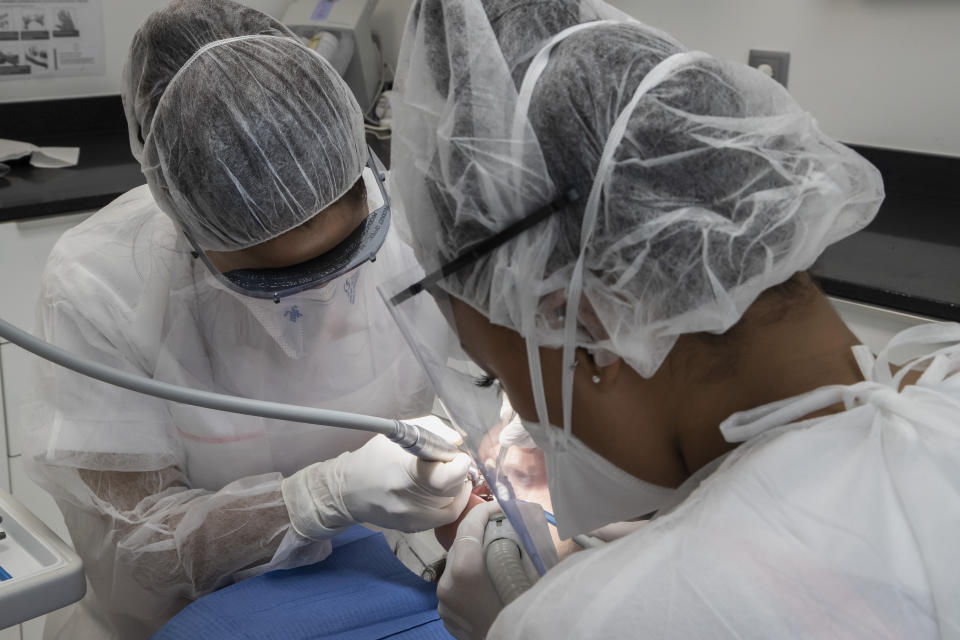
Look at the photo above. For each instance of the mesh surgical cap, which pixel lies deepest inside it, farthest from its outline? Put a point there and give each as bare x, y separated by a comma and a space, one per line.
242, 132
698, 183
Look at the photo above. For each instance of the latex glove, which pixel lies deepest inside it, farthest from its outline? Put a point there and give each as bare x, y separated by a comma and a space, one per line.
379, 483
468, 600
514, 435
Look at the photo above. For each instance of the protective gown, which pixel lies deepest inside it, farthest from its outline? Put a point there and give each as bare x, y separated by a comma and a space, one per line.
166, 502
697, 185
838, 527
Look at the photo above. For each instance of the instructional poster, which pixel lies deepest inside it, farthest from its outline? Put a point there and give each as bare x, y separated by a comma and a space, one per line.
51, 38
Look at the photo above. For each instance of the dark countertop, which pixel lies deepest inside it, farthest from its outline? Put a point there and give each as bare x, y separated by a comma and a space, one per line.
907, 259
106, 170
909, 274
909, 256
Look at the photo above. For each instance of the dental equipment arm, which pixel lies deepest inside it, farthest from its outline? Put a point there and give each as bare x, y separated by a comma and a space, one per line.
417, 441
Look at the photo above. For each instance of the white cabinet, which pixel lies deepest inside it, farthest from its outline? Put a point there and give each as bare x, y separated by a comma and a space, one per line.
24, 247
18, 375
32, 629
4, 462
40, 503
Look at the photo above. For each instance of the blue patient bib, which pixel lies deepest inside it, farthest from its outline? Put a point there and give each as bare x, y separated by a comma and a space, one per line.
361, 591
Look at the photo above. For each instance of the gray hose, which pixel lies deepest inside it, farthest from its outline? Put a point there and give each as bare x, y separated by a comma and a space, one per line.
588, 541
419, 442
506, 570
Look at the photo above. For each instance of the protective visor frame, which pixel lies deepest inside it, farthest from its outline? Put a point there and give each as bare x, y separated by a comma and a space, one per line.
484, 247
361, 246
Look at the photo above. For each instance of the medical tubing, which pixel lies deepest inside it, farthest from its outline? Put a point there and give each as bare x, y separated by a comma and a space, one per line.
506, 570
420, 442
588, 542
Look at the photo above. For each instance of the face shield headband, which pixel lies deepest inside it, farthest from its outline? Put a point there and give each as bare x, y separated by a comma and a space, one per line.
484, 247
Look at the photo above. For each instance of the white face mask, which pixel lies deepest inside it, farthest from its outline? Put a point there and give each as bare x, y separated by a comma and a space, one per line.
587, 490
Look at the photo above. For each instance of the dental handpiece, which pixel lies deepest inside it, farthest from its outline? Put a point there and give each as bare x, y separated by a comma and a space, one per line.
423, 443
415, 439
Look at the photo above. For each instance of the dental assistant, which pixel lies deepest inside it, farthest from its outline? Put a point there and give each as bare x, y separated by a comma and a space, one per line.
654, 326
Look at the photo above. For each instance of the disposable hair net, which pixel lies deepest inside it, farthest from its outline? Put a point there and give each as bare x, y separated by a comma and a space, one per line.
698, 183
242, 132
167, 39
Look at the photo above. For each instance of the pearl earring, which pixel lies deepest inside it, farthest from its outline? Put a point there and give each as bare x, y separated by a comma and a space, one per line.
596, 379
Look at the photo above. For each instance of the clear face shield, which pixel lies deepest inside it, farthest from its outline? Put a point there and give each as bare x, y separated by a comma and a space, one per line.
511, 464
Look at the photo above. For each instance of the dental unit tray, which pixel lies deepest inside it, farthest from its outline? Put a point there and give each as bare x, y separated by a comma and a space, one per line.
39, 573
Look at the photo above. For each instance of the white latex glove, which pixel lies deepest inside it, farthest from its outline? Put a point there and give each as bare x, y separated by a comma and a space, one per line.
379, 483
468, 601
514, 435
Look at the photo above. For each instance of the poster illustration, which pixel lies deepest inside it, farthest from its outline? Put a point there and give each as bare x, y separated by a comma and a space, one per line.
51, 38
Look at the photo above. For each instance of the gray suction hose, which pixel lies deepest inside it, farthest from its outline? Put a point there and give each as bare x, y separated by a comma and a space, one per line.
504, 560
419, 442
506, 570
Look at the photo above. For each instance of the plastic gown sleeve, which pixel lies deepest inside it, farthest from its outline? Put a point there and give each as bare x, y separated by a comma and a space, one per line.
191, 541
149, 542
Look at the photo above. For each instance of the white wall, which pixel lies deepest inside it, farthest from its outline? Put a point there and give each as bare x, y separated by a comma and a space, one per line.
388, 21
121, 19
876, 72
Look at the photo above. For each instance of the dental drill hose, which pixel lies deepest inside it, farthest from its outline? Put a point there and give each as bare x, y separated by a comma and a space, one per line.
418, 441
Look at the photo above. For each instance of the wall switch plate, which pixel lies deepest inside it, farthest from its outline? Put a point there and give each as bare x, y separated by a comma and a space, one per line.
776, 64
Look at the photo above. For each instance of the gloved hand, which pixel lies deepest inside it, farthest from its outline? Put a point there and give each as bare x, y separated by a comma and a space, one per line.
468, 601
514, 435
379, 483
447, 533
